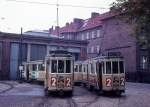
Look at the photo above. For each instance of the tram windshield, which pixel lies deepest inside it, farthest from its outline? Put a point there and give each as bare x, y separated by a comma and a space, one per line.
61, 66
54, 66
108, 67
114, 67
121, 66
68, 66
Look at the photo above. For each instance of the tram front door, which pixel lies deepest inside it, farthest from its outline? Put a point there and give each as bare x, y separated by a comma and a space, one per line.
99, 74
27, 74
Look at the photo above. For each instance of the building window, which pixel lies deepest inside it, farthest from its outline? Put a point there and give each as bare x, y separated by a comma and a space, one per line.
92, 49
68, 36
87, 35
38, 52
82, 36
95, 33
98, 48
87, 49
92, 34
98, 33
144, 62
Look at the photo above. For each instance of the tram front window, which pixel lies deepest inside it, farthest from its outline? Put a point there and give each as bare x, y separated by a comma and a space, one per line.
68, 66
115, 67
60, 66
54, 66
108, 67
121, 66
34, 67
41, 67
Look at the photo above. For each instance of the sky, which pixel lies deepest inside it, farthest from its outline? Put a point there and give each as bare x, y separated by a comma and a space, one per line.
42, 14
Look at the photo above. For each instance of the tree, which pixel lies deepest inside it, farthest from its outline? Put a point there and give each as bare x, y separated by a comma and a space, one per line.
137, 12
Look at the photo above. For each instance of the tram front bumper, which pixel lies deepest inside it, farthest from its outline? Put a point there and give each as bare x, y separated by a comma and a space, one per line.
60, 89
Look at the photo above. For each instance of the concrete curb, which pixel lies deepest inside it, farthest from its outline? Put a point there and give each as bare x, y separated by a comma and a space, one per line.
10, 86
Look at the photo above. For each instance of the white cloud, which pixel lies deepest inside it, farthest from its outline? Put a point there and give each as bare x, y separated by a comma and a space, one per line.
39, 16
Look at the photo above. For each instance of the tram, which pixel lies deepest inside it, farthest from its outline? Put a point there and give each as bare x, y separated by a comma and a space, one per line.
59, 72
103, 73
34, 71
78, 75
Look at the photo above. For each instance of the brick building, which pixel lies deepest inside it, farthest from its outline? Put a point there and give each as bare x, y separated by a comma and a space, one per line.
105, 32
15, 48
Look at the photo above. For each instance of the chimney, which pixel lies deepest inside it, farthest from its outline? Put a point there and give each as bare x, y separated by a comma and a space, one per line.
94, 14
50, 30
77, 20
67, 24
56, 27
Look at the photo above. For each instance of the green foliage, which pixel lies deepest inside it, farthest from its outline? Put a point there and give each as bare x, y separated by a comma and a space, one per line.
136, 12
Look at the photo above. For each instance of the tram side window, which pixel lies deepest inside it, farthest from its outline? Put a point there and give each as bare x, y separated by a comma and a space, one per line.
84, 70
97, 66
121, 66
60, 66
87, 68
92, 68
40, 67
108, 67
68, 66
76, 68
54, 66
103, 67
34, 67
115, 67
80, 68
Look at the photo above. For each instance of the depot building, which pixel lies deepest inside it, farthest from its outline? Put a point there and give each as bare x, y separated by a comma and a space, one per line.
17, 48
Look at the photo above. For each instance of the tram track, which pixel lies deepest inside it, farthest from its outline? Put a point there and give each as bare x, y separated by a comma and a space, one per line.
121, 98
9, 85
43, 103
92, 102
71, 102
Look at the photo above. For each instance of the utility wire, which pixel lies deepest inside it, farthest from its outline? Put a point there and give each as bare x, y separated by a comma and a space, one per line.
62, 5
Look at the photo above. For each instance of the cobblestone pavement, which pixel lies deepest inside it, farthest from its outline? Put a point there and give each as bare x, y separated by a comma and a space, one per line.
29, 95
4, 86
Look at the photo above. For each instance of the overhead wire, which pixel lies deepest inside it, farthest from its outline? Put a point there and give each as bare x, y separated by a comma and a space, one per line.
55, 4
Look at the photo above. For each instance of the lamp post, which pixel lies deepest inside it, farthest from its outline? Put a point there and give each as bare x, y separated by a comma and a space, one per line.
20, 63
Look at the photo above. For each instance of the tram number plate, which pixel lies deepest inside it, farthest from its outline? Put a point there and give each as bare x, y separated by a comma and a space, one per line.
53, 81
108, 82
122, 81
68, 82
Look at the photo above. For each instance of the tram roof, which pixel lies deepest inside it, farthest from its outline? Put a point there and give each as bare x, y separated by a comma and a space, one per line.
60, 53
